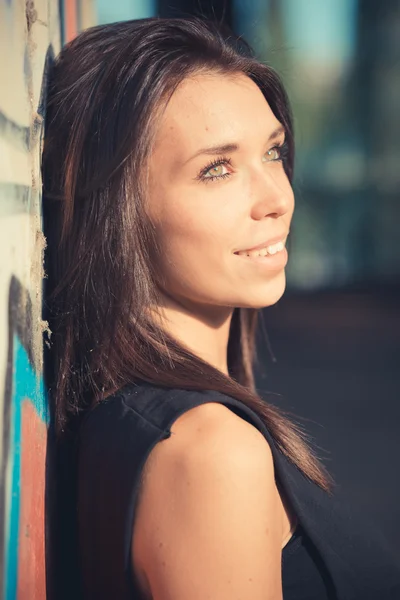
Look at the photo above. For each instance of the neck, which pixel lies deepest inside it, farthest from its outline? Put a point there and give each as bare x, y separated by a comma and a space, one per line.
203, 330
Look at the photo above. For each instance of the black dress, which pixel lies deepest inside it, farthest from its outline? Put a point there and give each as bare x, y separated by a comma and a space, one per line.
330, 556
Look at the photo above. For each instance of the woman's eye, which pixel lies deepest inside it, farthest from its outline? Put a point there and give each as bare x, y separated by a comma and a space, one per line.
273, 154
215, 171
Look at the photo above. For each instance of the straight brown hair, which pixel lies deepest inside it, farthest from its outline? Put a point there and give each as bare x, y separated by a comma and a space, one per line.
105, 93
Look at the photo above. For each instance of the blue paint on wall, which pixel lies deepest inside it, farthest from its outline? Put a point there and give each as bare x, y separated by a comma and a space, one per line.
27, 385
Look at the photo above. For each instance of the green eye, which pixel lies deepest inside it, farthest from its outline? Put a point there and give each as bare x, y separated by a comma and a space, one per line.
273, 154
216, 171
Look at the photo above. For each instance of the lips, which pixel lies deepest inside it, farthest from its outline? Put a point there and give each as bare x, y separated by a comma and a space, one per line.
270, 242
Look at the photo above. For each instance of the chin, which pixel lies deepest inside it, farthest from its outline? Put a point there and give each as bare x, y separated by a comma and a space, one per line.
267, 295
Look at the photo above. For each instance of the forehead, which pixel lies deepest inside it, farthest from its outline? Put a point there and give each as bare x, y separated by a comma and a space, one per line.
210, 108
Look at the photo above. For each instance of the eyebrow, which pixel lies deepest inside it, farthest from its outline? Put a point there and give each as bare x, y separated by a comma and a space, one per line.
233, 147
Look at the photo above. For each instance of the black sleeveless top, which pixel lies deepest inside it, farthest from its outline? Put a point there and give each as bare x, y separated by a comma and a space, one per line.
329, 557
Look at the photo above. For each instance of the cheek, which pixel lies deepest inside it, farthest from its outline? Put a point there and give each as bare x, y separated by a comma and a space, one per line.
181, 232
194, 244
193, 223
191, 243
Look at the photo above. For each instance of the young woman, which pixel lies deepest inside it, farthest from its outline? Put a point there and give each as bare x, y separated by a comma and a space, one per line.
167, 163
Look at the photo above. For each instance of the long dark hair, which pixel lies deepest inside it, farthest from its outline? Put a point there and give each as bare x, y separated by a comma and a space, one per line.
105, 93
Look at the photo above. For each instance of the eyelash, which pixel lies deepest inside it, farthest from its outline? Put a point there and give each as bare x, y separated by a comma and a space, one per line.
224, 160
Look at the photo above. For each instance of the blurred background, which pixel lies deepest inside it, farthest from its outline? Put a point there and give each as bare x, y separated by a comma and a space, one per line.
335, 335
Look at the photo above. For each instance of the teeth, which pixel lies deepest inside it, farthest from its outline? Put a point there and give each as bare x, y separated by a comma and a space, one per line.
253, 253
273, 249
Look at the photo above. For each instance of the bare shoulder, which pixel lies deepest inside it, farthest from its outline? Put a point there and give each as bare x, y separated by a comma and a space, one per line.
209, 515
213, 426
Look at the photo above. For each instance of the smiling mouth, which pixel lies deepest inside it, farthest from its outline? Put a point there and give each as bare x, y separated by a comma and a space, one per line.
267, 251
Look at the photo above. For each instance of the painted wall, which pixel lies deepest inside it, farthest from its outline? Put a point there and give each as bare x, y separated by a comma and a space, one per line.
124, 9
31, 33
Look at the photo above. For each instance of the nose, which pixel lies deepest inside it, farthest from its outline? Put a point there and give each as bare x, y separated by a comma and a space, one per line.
272, 196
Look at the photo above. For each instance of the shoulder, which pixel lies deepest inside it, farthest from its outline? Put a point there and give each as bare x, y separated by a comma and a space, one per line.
210, 449
212, 429
197, 425
209, 489
209, 439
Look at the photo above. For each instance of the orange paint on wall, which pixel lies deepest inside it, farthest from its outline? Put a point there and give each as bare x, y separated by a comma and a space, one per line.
70, 19
31, 543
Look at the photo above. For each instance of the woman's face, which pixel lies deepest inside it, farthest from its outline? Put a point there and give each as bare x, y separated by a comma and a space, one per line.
206, 204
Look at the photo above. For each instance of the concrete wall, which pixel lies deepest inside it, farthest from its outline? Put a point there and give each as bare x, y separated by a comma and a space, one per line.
31, 33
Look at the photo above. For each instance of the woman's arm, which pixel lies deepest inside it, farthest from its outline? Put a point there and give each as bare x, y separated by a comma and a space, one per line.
208, 525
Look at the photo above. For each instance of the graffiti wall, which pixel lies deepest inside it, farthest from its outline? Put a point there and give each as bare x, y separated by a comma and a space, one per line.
31, 34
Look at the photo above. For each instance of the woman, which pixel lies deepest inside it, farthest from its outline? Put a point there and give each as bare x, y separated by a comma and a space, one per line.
167, 164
